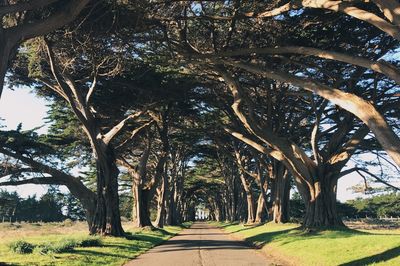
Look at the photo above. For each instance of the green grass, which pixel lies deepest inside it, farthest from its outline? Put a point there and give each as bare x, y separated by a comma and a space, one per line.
112, 250
327, 247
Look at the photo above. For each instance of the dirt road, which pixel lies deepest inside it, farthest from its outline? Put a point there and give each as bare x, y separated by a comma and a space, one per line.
202, 245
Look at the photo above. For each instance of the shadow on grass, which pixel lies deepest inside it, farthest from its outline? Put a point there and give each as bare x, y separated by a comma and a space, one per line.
98, 253
260, 240
339, 232
381, 257
144, 237
299, 233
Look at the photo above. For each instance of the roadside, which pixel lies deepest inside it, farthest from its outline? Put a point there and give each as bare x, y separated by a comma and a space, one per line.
287, 244
106, 250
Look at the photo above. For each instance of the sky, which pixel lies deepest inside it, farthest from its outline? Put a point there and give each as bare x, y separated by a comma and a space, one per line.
23, 106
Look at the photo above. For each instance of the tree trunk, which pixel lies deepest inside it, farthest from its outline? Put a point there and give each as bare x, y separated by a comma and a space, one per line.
107, 219
234, 195
321, 209
249, 200
173, 208
161, 203
261, 214
5, 51
250, 208
3, 67
262, 201
143, 207
280, 193
135, 204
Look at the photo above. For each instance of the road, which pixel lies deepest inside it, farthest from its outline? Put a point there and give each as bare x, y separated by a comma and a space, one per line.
200, 245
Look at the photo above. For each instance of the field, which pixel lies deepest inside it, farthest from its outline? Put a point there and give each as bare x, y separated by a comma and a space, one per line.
288, 244
284, 244
110, 250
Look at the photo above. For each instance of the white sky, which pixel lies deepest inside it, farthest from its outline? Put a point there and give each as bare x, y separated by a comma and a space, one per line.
22, 106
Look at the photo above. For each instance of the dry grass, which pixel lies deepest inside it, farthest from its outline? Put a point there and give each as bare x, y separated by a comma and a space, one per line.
22, 230
112, 251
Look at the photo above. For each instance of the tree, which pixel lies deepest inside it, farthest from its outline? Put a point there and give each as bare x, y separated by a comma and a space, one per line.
29, 159
22, 21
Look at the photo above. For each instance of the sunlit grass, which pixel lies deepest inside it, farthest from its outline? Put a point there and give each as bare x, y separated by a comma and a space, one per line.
326, 247
113, 251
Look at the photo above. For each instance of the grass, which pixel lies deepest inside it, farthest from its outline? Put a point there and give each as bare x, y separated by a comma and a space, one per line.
69, 244
345, 247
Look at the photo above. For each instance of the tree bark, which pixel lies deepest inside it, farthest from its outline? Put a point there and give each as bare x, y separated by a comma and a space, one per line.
249, 200
5, 53
107, 219
173, 206
321, 208
162, 202
142, 207
261, 214
280, 192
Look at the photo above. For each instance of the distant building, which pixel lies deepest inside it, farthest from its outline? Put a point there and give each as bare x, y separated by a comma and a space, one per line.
202, 213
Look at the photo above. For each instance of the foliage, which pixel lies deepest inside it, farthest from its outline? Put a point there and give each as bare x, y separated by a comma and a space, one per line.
21, 247
93, 241
377, 206
385, 205
297, 208
48, 208
62, 246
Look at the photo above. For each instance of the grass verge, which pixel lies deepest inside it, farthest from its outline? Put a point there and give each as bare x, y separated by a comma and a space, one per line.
108, 251
291, 245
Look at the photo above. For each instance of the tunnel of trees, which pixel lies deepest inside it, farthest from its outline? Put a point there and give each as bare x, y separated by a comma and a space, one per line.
163, 105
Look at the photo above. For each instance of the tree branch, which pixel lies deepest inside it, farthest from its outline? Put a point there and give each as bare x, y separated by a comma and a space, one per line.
381, 66
20, 7
30, 30
378, 178
354, 104
117, 128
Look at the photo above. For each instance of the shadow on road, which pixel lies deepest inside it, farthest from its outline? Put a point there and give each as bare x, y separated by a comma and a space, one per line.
194, 244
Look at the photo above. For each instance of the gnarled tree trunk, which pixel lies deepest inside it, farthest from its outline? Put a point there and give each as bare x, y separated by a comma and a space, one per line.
142, 206
280, 193
321, 207
107, 219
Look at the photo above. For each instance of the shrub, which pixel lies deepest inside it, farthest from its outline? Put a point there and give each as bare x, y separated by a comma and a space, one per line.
67, 222
21, 247
64, 245
67, 244
90, 242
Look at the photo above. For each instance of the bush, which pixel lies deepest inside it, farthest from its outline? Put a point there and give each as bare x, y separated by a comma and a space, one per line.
21, 247
64, 245
67, 222
90, 242
67, 244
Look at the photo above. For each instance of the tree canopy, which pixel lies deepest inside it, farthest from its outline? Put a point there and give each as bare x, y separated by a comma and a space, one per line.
225, 103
